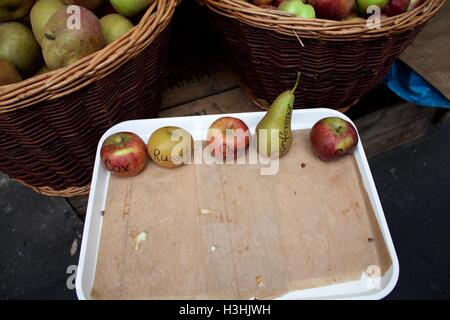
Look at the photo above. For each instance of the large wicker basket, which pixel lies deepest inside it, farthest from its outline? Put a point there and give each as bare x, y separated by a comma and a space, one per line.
340, 61
50, 124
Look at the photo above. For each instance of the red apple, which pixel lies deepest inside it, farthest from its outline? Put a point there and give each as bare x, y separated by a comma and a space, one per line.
332, 9
229, 136
332, 138
124, 154
396, 7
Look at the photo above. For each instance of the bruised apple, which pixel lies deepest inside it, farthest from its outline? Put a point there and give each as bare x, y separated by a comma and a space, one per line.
124, 154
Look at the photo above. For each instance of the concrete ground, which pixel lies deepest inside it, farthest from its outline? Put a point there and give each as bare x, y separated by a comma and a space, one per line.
40, 236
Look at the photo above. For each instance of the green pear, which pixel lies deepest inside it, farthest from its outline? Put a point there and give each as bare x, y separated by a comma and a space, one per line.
114, 25
88, 4
8, 73
298, 8
129, 8
18, 46
41, 13
69, 37
14, 9
276, 124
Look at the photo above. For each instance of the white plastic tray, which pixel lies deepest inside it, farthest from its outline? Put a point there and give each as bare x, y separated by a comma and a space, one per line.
365, 288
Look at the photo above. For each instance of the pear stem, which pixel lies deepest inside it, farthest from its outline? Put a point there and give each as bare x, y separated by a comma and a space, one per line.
296, 82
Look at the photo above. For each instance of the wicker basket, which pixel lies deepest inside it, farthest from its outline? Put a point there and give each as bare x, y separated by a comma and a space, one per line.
340, 61
50, 125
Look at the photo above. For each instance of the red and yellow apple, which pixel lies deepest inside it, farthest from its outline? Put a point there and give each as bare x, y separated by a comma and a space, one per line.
170, 147
124, 154
228, 138
332, 138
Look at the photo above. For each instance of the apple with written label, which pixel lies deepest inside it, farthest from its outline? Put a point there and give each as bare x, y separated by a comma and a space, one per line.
124, 154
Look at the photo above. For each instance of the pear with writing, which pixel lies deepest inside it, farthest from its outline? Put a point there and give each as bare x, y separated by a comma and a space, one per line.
274, 133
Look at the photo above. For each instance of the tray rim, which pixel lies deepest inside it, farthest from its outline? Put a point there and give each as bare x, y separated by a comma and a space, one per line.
311, 293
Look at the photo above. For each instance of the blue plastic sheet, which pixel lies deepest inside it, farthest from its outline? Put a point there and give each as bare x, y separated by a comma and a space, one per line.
410, 86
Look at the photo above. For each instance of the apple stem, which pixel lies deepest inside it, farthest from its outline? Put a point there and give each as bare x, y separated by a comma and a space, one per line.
296, 82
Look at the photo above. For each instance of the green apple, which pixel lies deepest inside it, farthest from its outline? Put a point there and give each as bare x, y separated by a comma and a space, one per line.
41, 13
129, 8
8, 73
362, 5
307, 11
114, 25
298, 8
18, 46
290, 6
14, 9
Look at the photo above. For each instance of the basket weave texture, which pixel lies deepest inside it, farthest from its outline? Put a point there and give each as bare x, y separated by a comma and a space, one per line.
340, 61
50, 125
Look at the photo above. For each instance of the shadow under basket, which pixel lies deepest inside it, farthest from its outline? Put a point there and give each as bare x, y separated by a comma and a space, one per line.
48, 140
340, 61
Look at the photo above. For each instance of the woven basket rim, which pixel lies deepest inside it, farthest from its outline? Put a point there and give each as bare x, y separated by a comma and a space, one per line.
62, 82
329, 30
50, 192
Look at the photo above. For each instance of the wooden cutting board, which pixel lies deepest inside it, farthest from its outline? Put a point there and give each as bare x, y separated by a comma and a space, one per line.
225, 231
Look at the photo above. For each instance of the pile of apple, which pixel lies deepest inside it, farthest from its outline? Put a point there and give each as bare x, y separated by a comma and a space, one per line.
338, 9
37, 36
